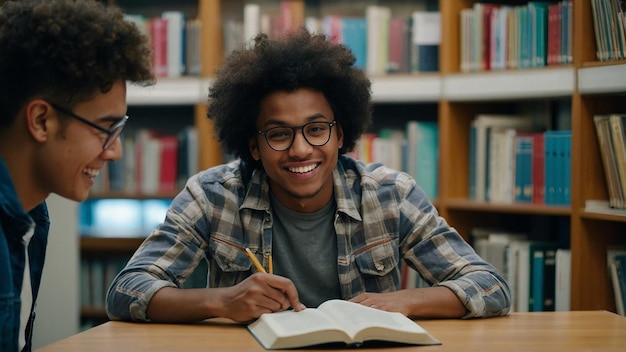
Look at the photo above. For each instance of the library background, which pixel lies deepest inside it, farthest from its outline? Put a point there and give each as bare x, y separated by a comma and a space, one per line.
507, 113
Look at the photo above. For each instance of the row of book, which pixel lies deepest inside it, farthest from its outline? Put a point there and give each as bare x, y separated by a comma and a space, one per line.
98, 273
611, 132
153, 162
381, 41
538, 272
497, 36
175, 43
511, 160
609, 29
414, 150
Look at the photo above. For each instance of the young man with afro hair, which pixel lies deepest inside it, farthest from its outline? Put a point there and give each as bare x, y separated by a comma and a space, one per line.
330, 226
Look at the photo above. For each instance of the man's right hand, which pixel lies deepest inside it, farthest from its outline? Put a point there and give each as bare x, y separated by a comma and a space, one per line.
258, 294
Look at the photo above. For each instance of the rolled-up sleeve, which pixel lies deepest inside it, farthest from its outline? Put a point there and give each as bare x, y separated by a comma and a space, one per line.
443, 258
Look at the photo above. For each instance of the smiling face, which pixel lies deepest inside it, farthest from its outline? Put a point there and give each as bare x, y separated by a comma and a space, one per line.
300, 177
72, 154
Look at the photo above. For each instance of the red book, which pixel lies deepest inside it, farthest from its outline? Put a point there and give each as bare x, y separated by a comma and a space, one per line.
488, 9
158, 34
398, 45
554, 34
169, 163
538, 167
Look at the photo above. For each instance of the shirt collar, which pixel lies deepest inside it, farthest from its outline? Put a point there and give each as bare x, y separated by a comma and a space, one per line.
257, 194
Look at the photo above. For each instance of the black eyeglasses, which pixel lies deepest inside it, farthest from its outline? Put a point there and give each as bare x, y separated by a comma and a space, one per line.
315, 133
112, 133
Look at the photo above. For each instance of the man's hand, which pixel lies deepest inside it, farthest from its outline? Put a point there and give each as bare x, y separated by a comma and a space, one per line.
431, 302
258, 294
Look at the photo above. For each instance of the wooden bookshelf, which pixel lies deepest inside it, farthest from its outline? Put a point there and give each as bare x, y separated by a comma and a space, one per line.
600, 90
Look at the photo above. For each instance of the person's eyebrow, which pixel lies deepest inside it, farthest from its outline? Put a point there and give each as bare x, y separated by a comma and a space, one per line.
274, 122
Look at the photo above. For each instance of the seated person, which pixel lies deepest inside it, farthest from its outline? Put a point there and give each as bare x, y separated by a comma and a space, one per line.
290, 109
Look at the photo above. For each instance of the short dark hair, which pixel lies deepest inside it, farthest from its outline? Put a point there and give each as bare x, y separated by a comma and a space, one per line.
66, 51
301, 60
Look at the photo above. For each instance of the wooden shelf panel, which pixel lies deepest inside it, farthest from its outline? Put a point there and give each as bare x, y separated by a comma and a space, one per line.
109, 245
603, 216
194, 90
170, 91
93, 313
406, 88
510, 85
514, 208
604, 79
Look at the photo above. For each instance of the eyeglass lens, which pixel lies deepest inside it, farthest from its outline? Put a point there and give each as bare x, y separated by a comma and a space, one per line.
115, 131
315, 133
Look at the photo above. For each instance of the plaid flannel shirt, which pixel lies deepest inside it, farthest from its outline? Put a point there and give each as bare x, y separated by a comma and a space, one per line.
381, 218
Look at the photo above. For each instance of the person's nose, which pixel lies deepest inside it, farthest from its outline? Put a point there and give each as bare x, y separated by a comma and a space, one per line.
300, 147
115, 151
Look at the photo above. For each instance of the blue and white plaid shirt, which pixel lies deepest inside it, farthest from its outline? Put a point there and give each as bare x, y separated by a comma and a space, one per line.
381, 217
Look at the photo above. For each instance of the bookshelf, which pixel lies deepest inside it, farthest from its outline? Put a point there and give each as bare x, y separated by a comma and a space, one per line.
587, 86
591, 87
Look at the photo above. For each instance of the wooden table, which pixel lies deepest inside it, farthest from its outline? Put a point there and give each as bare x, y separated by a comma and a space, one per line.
540, 331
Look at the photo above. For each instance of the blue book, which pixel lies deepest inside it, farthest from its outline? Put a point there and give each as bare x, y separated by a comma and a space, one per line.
542, 276
523, 169
551, 169
558, 167
427, 157
471, 193
354, 34
423, 154
425, 39
566, 159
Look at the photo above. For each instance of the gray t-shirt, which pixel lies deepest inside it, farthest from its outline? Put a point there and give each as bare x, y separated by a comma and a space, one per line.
304, 249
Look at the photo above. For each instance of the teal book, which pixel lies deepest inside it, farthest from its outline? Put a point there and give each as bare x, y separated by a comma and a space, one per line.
523, 144
354, 35
542, 276
424, 149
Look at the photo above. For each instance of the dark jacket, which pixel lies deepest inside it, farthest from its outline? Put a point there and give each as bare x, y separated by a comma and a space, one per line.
14, 223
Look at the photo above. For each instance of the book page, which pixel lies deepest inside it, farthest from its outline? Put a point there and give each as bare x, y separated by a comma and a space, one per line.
294, 329
290, 322
354, 317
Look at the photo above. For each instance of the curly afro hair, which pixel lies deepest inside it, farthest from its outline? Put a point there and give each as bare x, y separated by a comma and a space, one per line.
66, 51
300, 60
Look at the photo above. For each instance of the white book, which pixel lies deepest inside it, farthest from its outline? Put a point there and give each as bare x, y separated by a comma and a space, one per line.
518, 274
251, 23
483, 124
175, 42
377, 19
337, 321
562, 285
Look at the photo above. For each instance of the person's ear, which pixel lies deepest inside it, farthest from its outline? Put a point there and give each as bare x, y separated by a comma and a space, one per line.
253, 146
39, 119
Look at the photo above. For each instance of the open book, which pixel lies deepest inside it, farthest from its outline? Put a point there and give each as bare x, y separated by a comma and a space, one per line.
336, 321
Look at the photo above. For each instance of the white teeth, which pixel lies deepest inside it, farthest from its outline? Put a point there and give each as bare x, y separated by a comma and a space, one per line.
92, 172
303, 169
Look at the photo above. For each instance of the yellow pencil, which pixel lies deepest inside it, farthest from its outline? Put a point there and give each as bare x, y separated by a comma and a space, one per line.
271, 265
256, 263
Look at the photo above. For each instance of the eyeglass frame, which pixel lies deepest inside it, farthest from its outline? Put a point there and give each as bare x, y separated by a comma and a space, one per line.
112, 133
330, 124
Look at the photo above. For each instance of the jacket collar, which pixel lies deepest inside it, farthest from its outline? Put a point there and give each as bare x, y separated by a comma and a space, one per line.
12, 214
